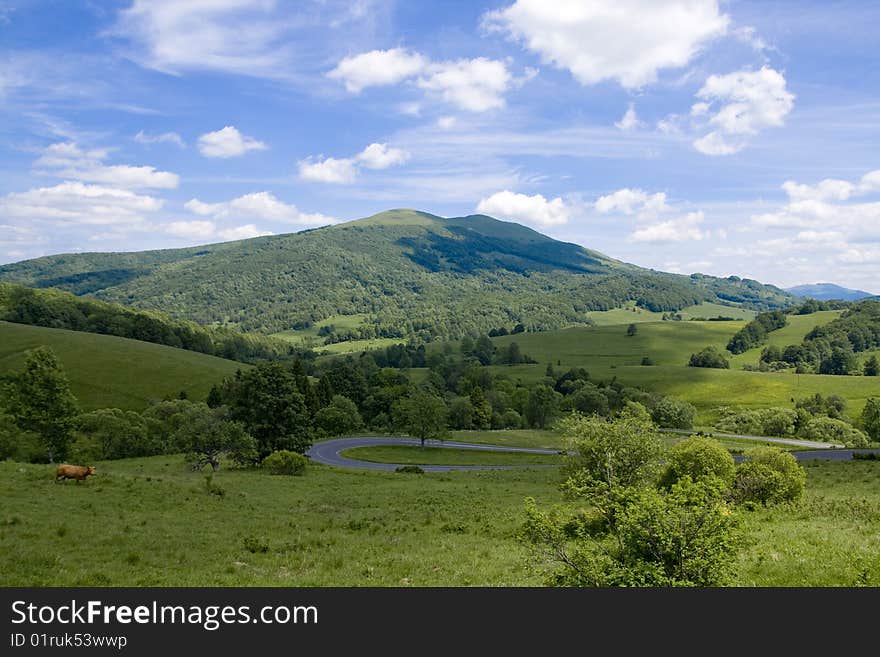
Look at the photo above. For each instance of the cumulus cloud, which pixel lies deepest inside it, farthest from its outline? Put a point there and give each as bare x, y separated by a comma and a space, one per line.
680, 229
242, 232
378, 68
473, 85
258, 205
68, 160
162, 138
632, 201
629, 121
381, 156
197, 230
345, 170
236, 36
740, 105
535, 210
629, 41
80, 204
228, 142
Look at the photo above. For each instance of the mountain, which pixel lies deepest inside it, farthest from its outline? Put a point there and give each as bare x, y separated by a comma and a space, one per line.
827, 292
401, 273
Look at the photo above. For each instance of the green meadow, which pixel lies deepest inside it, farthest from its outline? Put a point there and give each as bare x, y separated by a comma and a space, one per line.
106, 371
410, 455
152, 522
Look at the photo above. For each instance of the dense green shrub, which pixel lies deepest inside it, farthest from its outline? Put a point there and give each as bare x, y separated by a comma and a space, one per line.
409, 469
671, 413
698, 458
829, 430
709, 357
284, 462
769, 476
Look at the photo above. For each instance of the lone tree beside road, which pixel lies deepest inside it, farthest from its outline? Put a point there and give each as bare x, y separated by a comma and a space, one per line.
422, 415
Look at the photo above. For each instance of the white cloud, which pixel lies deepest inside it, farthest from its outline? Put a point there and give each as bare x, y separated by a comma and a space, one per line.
228, 142
474, 85
237, 36
625, 40
632, 201
535, 210
827, 190
162, 138
258, 205
629, 121
381, 156
345, 170
680, 229
739, 105
67, 160
197, 230
378, 68
329, 170
243, 232
78, 203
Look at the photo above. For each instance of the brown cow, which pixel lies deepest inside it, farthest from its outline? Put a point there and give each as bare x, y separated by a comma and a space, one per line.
78, 472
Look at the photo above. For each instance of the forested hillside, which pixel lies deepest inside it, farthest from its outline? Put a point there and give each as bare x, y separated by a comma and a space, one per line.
411, 274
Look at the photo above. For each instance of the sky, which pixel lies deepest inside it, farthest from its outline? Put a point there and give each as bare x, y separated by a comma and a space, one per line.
726, 138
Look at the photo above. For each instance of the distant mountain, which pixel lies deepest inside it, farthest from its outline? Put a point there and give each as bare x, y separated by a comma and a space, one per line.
828, 291
401, 273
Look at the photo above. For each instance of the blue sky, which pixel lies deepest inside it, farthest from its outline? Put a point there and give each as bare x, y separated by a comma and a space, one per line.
727, 138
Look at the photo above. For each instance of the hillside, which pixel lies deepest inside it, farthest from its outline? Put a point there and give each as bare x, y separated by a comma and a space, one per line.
827, 292
408, 273
108, 371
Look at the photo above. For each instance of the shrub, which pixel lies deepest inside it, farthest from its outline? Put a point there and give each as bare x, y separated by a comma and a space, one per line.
770, 476
699, 458
647, 361
828, 429
255, 544
764, 422
409, 469
709, 357
671, 413
284, 462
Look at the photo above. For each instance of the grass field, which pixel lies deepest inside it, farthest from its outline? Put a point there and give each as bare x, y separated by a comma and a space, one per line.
407, 454
632, 314
106, 371
151, 522
309, 337
607, 352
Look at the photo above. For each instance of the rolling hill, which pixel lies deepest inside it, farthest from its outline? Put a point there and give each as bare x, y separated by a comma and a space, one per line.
406, 273
828, 292
107, 371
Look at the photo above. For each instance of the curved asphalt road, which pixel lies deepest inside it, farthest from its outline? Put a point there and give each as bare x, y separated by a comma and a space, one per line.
328, 452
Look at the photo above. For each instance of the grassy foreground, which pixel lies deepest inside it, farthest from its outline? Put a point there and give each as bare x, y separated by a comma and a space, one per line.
107, 371
150, 522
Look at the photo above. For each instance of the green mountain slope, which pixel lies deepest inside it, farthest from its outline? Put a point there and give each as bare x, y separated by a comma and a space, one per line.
108, 371
408, 273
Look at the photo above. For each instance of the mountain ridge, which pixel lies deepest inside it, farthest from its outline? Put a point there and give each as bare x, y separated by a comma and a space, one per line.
409, 273
828, 292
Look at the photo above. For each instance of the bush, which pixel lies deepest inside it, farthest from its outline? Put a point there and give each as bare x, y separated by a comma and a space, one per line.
699, 458
764, 422
409, 469
284, 462
647, 361
828, 430
671, 413
709, 357
770, 476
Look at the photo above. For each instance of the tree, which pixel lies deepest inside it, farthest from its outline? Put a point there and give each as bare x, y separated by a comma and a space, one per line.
268, 403
205, 435
871, 418
631, 330
422, 415
340, 417
461, 413
542, 403
709, 357
117, 434
484, 350
40, 401
831, 430
482, 409
671, 413
872, 367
